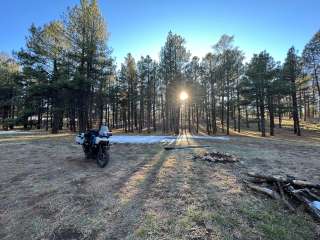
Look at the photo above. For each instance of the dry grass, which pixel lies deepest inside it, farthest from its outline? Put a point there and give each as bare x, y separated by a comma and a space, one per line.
48, 191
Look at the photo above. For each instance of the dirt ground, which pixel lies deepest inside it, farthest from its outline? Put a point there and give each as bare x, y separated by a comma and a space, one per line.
49, 191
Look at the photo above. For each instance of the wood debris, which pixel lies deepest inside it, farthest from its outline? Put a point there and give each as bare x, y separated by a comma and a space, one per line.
216, 157
289, 190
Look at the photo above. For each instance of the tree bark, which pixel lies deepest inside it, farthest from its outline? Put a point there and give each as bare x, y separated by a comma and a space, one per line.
262, 118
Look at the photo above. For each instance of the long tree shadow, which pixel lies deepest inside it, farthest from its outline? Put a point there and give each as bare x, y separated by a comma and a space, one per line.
183, 189
132, 195
97, 192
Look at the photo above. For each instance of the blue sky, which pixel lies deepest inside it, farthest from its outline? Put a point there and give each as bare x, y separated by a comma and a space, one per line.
141, 26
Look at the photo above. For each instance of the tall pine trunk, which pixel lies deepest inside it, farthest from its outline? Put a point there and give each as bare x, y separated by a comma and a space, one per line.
262, 118
295, 114
271, 115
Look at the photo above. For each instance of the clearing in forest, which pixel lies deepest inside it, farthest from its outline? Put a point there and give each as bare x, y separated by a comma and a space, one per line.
49, 191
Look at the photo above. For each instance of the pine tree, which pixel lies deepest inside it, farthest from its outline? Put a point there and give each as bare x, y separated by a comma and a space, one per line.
311, 58
87, 35
260, 72
10, 90
290, 72
173, 58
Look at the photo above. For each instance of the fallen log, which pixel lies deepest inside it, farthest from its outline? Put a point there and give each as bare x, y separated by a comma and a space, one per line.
282, 179
267, 191
278, 184
269, 178
283, 198
256, 180
308, 204
315, 196
271, 193
307, 192
185, 147
302, 183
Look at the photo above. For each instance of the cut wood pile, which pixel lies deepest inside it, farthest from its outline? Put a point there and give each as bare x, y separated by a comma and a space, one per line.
292, 192
216, 157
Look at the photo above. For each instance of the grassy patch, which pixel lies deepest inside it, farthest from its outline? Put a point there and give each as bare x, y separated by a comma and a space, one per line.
151, 227
274, 223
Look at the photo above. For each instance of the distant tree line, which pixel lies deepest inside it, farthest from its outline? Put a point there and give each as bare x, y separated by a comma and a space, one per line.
66, 77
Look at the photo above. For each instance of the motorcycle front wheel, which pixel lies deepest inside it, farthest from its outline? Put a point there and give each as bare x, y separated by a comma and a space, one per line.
103, 156
87, 152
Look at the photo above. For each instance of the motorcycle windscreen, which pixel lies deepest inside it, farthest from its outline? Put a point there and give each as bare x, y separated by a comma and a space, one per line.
104, 130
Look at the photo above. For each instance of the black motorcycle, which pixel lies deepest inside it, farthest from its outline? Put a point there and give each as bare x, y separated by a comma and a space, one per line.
96, 145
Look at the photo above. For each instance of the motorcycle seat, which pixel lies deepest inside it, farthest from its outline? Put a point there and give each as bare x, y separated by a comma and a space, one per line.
90, 135
92, 132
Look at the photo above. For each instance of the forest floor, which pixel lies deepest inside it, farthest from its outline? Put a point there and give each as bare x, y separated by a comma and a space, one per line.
49, 191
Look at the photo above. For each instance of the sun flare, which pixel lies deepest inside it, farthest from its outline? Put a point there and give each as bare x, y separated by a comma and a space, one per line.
183, 96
